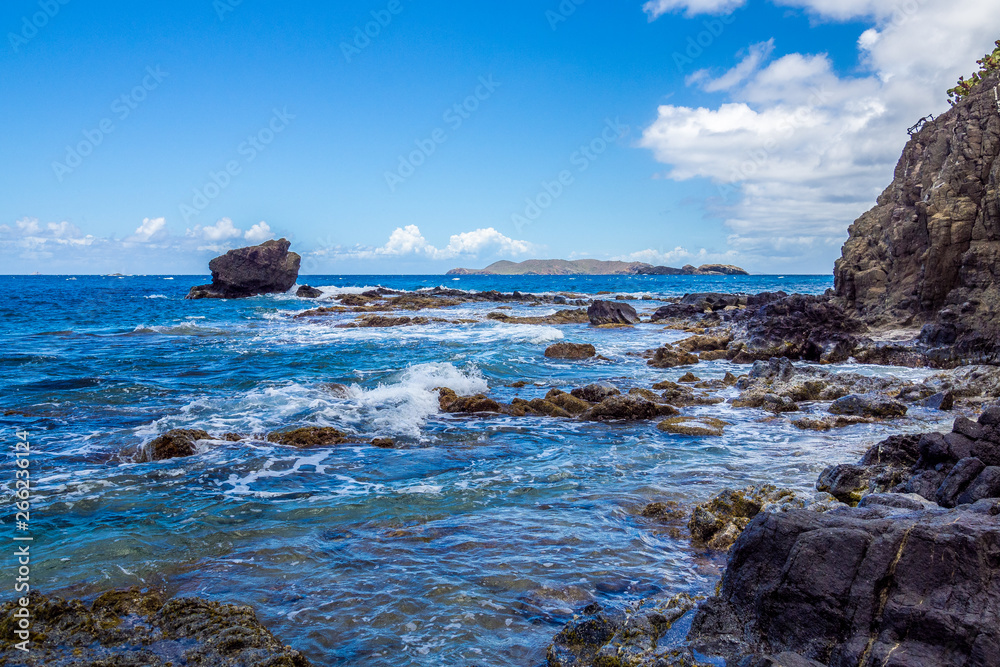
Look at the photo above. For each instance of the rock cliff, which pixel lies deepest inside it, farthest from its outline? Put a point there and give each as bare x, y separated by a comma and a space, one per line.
928, 254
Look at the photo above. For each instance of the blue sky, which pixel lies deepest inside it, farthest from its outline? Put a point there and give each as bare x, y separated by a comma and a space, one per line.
148, 139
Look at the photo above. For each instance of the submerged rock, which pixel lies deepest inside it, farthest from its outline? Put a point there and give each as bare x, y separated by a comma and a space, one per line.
141, 628
570, 351
612, 637
262, 269
612, 312
176, 443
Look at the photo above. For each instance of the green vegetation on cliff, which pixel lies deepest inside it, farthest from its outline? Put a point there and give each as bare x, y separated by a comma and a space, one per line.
988, 64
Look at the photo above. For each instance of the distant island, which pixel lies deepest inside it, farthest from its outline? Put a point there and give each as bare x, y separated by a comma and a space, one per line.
595, 267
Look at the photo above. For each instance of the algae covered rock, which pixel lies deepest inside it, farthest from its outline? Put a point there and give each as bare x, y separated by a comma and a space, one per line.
172, 444
310, 436
570, 351
451, 402
141, 628
693, 426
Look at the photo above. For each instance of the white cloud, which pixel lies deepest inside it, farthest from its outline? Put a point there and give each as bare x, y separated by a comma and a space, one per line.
799, 151
756, 56
657, 8
409, 241
222, 230
259, 233
150, 229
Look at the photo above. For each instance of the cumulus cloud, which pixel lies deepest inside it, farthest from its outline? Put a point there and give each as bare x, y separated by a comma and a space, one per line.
259, 233
222, 230
657, 8
797, 150
409, 241
150, 229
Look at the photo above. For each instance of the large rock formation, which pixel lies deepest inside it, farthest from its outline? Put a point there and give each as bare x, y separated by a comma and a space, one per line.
887, 584
263, 269
928, 254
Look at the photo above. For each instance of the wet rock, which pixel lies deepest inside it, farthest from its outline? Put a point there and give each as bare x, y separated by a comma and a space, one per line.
612, 312
847, 482
232, 437
870, 585
829, 423
132, 628
868, 405
307, 292
175, 443
451, 402
570, 351
568, 402
670, 357
628, 408
263, 269
943, 400
559, 317
310, 436
595, 393
705, 343
986, 485
538, 406
717, 523
610, 637
693, 426
813, 328
766, 401
684, 396
960, 477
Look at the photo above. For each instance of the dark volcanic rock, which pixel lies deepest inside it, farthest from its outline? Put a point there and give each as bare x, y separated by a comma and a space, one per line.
595, 393
263, 269
172, 444
612, 312
307, 292
861, 586
132, 628
800, 326
868, 405
311, 436
627, 408
570, 351
928, 253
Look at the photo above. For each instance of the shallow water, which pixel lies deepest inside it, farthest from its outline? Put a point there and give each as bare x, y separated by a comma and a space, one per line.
472, 544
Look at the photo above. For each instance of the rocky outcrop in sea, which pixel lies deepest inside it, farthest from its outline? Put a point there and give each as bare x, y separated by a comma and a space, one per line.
267, 268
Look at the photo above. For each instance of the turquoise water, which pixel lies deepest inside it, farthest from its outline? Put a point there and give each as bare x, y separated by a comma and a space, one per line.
470, 544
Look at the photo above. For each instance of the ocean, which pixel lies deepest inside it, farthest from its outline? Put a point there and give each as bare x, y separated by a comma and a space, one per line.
469, 544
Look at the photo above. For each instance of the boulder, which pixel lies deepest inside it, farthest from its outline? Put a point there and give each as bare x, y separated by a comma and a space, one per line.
262, 269
176, 443
813, 328
868, 405
568, 402
612, 312
136, 627
570, 351
451, 402
595, 393
670, 357
872, 585
307, 292
627, 408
